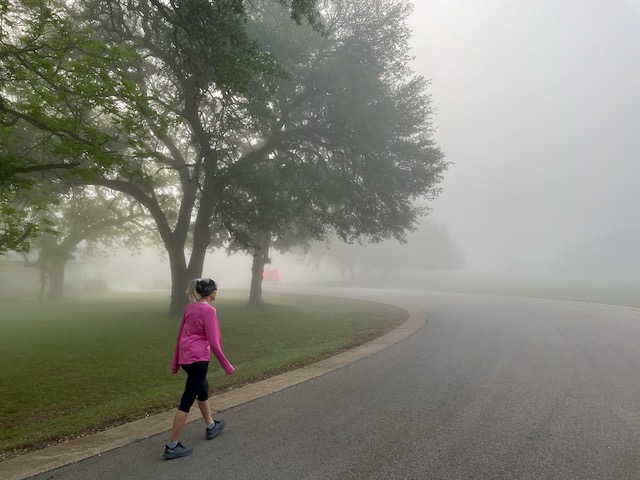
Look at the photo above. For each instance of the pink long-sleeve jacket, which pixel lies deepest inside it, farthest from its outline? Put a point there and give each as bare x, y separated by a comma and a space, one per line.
199, 335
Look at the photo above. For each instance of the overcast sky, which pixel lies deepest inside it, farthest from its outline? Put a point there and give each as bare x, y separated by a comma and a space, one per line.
538, 107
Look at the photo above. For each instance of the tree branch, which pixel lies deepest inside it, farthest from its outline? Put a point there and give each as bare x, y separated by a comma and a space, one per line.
147, 201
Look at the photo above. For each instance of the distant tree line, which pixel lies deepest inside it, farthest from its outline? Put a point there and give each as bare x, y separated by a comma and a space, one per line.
209, 123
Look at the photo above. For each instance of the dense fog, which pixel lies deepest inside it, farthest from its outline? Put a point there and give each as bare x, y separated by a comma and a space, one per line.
537, 109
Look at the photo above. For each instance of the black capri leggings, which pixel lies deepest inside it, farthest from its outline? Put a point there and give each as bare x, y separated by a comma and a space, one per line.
196, 386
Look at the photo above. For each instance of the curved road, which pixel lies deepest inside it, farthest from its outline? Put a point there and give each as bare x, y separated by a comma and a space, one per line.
490, 388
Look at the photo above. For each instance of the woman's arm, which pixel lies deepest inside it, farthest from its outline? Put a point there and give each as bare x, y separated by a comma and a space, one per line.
212, 331
175, 366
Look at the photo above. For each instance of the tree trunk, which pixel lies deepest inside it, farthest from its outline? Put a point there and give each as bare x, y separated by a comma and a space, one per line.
179, 279
56, 278
201, 241
257, 268
260, 259
43, 280
181, 275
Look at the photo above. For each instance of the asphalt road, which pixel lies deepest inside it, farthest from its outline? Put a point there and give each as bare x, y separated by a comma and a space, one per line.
490, 388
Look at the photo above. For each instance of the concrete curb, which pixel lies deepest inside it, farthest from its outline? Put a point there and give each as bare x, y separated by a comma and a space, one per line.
73, 451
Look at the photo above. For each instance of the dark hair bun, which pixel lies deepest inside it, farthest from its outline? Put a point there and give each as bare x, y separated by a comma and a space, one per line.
205, 287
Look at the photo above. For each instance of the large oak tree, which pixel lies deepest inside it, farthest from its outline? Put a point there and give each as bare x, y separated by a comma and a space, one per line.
350, 135
147, 97
177, 105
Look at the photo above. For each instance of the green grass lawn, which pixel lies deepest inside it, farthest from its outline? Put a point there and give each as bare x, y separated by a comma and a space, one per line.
89, 363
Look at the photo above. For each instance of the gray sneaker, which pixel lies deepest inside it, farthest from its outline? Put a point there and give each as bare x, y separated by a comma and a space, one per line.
218, 426
178, 451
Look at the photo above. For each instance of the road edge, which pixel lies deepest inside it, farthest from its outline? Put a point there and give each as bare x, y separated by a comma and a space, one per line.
59, 455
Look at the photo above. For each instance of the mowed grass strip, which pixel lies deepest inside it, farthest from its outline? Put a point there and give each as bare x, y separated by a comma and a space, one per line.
77, 367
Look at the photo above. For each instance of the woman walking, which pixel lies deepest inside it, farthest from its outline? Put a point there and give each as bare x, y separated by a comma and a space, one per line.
199, 335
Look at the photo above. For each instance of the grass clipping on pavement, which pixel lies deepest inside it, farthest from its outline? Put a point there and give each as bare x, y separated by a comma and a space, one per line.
81, 366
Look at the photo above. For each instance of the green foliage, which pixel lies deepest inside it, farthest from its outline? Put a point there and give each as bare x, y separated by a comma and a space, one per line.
305, 9
20, 223
23, 211
23, 208
62, 81
352, 145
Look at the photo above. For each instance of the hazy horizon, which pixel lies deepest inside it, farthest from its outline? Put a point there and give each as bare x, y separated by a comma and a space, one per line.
537, 107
